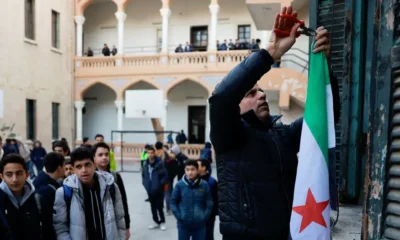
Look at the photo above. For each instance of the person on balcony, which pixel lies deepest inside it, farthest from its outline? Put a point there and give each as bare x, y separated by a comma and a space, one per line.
257, 156
106, 50
179, 49
90, 52
231, 45
114, 50
188, 47
256, 45
223, 46
237, 45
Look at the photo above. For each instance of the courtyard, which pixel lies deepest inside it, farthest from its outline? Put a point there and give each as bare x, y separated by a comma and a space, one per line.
347, 228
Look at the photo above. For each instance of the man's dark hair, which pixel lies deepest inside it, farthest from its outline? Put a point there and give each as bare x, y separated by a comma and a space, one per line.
99, 135
258, 40
85, 139
67, 161
166, 146
159, 145
61, 144
64, 139
12, 158
80, 154
52, 161
147, 146
205, 163
192, 163
150, 149
100, 145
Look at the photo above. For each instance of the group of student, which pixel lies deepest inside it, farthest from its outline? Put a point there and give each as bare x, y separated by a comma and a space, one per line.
89, 204
193, 200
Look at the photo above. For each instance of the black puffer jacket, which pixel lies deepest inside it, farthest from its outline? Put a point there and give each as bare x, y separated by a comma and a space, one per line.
256, 162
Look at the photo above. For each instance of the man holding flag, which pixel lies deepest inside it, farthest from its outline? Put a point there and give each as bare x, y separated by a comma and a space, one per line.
257, 156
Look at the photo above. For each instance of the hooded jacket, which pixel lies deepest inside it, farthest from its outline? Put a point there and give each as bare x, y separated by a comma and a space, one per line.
256, 161
191, 202
24, 215
75, 229
154, 176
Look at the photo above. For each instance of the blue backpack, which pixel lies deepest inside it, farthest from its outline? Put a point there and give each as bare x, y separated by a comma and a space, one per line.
206, 153
68, 197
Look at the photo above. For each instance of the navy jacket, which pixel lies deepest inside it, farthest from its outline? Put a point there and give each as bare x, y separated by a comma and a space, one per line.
46, 187
37, 155
154, 182
5, 231
191, 202
256, 161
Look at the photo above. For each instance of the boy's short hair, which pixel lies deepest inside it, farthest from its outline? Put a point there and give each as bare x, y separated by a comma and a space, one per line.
150, 148
166, 146
192, 163
205, 163
62, 144
52, 161
67, 161
12, 158
98, 135
159, 145
100, 145
85, 139
80, 154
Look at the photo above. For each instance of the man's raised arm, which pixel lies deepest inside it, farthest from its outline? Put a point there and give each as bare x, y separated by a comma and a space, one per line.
226, 126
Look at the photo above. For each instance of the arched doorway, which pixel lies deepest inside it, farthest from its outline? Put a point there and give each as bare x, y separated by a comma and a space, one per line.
100, 112
100, 26
139, 124
187, 110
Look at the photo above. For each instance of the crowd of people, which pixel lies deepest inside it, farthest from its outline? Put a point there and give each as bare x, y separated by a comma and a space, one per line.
105, 51
79, 195
225, 46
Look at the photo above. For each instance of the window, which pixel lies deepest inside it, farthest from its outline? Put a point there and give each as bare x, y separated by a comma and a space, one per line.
199, 38
30, 119
30, 19
55, 29
55, 120
244, 33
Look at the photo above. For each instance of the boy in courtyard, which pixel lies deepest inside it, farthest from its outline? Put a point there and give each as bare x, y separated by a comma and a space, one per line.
191, 203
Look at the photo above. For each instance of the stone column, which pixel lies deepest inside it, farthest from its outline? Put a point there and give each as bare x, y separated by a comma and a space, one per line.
165, 14
121, 16
79, 20
212, 35
79, 106
120, 114
208, 127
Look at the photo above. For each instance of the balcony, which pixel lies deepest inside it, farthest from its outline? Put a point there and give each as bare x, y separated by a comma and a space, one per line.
156, 64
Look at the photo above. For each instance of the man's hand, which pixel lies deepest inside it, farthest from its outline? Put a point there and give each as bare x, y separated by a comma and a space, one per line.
280, 45
127, 234
323, 42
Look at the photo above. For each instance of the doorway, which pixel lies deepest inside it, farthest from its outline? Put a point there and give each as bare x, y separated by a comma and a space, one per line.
199, 38
197, 124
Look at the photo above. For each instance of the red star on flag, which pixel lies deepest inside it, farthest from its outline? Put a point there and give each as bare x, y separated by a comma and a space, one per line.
311, 211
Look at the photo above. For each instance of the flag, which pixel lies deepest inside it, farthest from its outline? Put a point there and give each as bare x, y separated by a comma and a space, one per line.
311, 209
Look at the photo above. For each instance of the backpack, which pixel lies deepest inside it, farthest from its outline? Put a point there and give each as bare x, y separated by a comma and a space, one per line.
68, 197
211, 182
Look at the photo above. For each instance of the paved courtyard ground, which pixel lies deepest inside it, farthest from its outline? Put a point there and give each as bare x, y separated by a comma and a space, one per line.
348, 227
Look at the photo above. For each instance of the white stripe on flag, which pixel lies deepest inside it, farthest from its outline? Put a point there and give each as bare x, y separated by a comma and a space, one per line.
331, 119
312, 173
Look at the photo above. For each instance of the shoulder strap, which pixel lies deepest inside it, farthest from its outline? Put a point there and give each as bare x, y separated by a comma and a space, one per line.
211, 182
112, 192
38, 201
52, 187
67, 199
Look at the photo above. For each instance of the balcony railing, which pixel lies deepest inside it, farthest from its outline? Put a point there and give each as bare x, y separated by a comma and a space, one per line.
219, 58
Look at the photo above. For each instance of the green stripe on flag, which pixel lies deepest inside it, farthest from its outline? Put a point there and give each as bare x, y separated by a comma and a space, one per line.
316, 114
